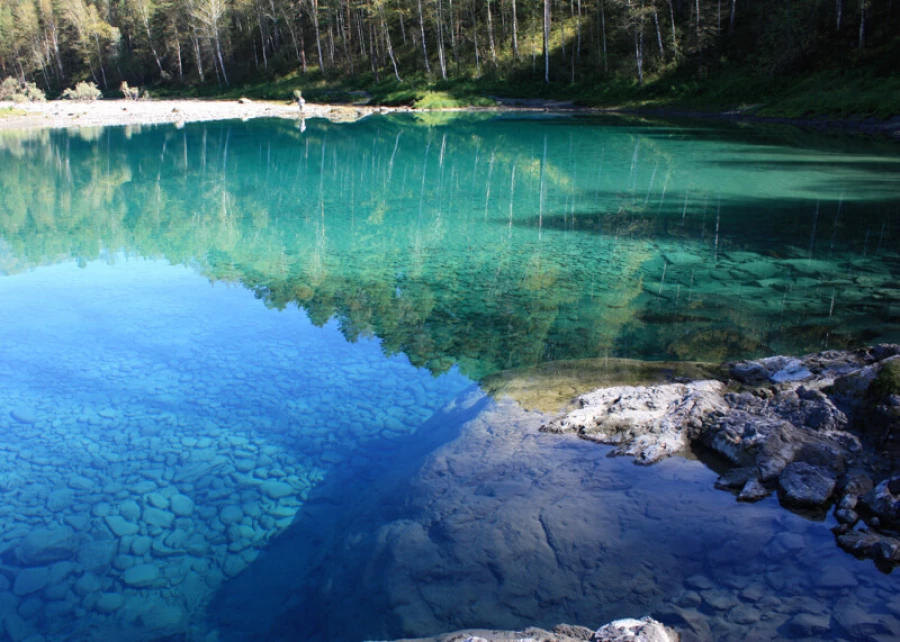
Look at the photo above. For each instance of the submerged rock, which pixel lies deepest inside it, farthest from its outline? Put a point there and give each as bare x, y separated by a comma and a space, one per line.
45, 546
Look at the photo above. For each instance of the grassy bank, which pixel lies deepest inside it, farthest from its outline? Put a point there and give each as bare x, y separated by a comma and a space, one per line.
837, 94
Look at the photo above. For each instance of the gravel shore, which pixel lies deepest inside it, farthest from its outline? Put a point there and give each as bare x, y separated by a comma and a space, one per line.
63, 113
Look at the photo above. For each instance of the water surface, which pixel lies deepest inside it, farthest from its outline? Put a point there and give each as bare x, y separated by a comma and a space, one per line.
225, 350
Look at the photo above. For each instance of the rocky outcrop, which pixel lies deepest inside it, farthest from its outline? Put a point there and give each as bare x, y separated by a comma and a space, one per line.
648, 423
820, 429
626, 630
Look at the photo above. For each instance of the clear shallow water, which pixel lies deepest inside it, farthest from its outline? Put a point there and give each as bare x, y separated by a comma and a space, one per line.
211, 466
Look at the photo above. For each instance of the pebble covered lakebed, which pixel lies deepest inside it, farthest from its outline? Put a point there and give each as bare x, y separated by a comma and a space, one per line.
239, 368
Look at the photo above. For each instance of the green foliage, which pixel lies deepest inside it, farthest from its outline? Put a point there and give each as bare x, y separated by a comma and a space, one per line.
773, 58
130, 93
83, 91
21, 92
887, 382
12, 112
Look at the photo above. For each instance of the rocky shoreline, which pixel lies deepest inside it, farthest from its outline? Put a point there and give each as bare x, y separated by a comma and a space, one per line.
626, 630
101, 113
823, 431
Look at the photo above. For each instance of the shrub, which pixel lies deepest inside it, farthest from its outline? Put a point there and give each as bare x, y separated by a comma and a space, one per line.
887, 382
20, 92
131, 93
85, 91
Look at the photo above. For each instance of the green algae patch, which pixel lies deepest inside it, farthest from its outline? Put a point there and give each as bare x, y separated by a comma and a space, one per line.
887, 382
551, 387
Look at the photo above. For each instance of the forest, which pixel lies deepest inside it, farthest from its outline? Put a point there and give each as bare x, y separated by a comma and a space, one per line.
506, 46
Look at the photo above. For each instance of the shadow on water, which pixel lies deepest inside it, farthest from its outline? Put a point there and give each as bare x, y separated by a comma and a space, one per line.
500, 526
290, 589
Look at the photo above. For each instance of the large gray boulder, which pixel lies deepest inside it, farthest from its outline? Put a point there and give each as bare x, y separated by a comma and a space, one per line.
803, 485
648, 423
47, 545
630, 630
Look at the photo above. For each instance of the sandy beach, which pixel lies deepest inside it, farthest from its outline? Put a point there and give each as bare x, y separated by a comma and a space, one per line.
64, 113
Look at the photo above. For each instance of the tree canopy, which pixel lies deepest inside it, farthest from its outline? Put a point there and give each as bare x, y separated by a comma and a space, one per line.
145, 42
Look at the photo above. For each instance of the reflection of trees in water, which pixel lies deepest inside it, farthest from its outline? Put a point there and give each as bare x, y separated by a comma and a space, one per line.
488, 246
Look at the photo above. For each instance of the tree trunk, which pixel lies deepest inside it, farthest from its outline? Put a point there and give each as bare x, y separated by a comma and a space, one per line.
862, 24
662, 53
603, 28
390, 48
491, 34
314, 4
422, 32
674, 36
546, 41
221, 60
475, 39
731, 17
439, 27
515, 29
262, 38
697, 3
197, 54
839, 9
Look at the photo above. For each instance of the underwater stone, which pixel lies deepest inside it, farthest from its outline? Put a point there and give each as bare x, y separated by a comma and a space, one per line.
59, 499
141, 576
24, 415
79, 482
119, 526
181, 505
97, 555
60, 571
109, 603
276, 489
87, 584
101, 509
44, 546
16, 628
809, 624
130, 510
31, 580
157, 517
141, 546
158, 501
231, 514
162, 616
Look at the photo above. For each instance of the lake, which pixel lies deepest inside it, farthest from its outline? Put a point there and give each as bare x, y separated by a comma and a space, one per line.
243, 370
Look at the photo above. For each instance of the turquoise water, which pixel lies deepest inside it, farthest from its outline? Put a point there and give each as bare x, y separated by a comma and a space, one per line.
227, 352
